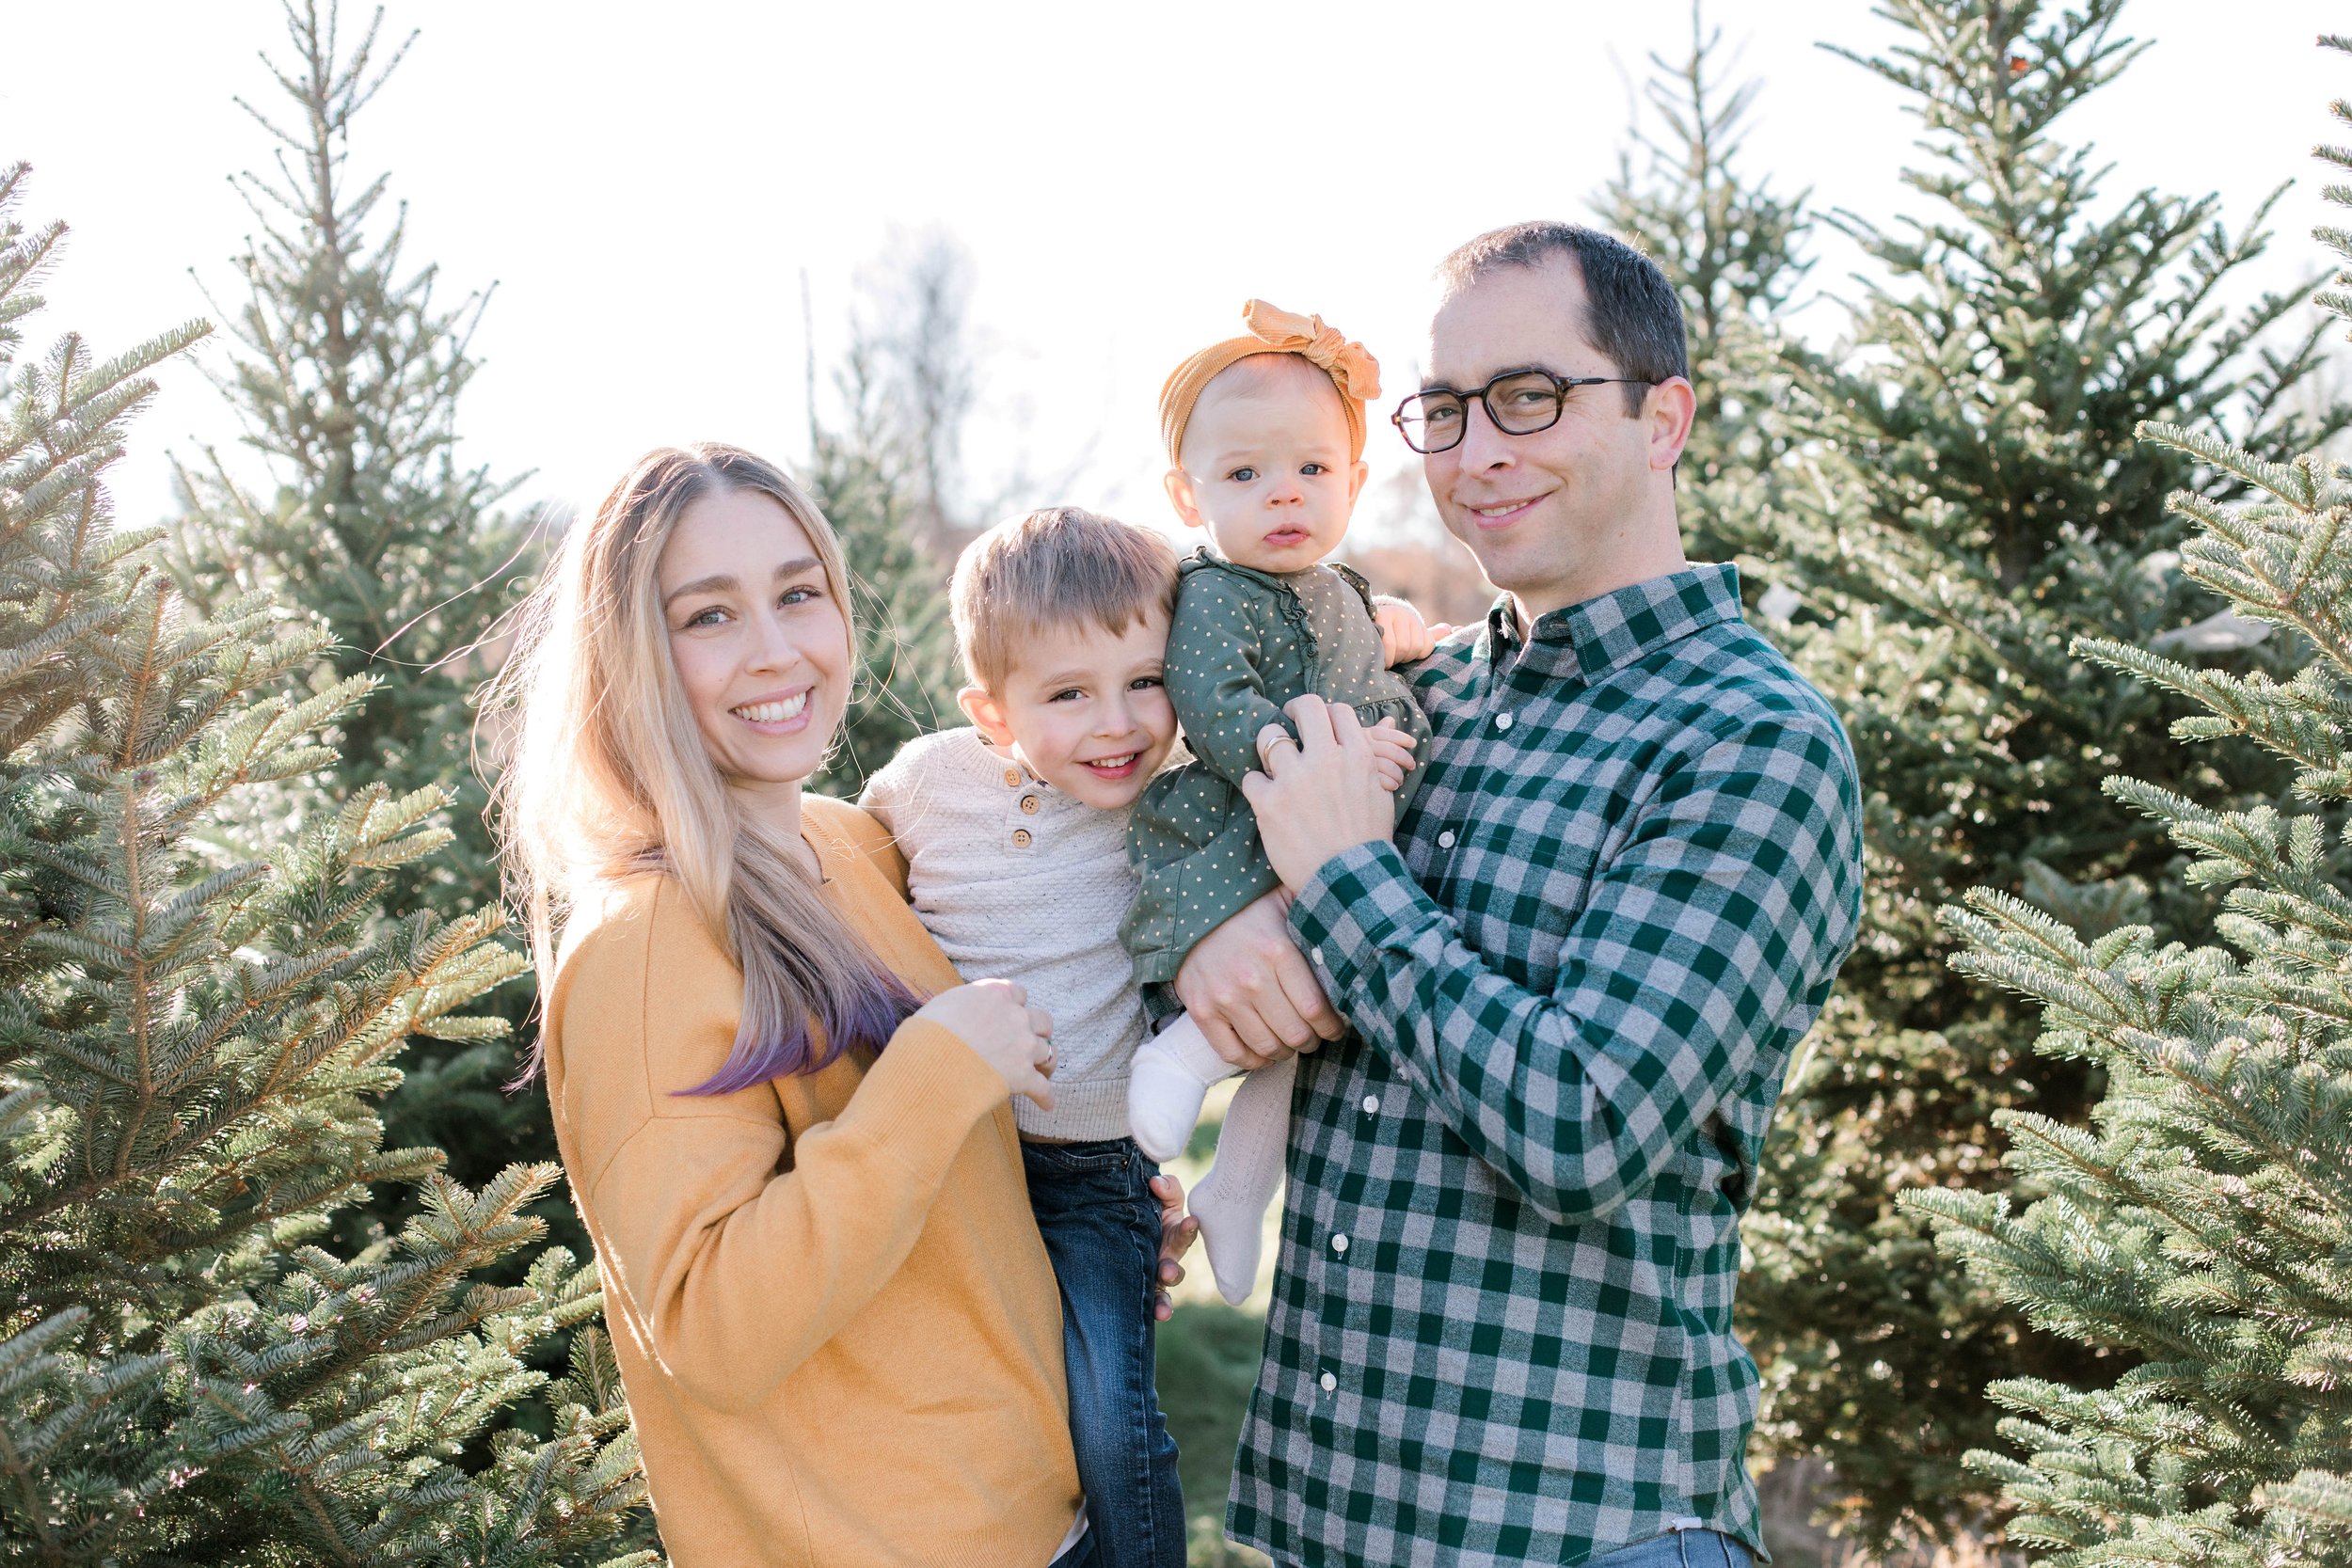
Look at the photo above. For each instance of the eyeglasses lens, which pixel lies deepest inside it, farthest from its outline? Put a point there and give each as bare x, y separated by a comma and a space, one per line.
1523, 405
1520, 406
1431, 423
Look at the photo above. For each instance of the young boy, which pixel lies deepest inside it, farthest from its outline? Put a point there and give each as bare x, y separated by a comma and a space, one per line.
1015, 835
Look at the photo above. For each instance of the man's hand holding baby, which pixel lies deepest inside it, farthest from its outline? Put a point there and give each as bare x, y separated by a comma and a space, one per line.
1250, 989
1320, 795
1391, 749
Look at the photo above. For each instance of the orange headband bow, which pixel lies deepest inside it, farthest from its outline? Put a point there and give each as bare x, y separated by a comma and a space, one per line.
1350, 366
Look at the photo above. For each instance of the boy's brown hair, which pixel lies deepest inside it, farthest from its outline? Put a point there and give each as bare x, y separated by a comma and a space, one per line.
1056, 565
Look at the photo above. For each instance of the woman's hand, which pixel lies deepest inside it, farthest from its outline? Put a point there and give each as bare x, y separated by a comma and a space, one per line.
1320, 795
1177, 1230
994, 1019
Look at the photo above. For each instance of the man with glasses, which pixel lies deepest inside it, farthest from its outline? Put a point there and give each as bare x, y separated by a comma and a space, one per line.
1501, 1330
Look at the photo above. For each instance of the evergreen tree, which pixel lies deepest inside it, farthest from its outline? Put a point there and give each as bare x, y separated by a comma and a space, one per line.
2201, 1225
346, 380
918, 334
1957, 495
1733, 250
192, 1043
876, 477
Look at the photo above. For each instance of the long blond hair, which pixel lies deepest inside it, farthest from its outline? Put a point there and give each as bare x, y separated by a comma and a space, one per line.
606, 776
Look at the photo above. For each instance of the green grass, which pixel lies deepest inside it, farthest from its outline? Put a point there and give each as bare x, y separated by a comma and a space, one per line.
1208, 1359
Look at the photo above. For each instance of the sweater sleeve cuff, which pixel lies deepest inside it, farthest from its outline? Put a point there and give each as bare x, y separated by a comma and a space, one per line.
1358, 902
922, 1096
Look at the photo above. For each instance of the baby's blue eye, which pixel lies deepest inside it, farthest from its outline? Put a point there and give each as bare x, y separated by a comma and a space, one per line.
1244, 474
1142, 682
1314, 468
1065, 692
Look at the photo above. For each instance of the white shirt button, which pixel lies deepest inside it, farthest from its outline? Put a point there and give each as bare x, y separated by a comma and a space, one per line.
1316, 955
1328, 1382
1339, 1244
1445, 839
1372, 1104
1502, 721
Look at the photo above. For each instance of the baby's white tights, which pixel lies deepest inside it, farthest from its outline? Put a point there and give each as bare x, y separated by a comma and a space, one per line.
1171, 1076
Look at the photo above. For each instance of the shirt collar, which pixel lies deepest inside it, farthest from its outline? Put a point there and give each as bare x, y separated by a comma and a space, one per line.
1206, 558
990, 770
1588, 641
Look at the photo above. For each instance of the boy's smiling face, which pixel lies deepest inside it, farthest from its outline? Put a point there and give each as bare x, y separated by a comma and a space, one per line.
1267, 468
1085, 709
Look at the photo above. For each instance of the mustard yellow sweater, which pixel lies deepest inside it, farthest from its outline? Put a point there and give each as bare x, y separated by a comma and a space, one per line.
837, 1329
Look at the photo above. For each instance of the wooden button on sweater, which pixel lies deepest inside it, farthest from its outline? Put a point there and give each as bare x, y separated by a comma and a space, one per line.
1046, 913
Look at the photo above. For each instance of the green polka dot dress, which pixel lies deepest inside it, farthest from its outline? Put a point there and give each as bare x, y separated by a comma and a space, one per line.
1242, 644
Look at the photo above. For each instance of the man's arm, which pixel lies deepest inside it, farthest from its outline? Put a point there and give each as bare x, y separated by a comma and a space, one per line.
1729, 908
1248, 987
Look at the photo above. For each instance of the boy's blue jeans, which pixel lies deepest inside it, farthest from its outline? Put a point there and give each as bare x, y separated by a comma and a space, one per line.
1101, 1229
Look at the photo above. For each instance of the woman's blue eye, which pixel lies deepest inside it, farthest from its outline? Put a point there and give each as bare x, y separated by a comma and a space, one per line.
706, 617
796, 595
1244, 474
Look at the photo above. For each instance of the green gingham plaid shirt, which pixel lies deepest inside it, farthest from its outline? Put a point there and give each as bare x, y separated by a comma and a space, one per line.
1501, 1330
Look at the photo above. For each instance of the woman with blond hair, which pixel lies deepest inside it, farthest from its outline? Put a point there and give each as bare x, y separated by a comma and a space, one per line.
837, 1330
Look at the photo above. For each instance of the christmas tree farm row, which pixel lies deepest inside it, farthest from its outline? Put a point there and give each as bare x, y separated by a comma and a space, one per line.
2044, 517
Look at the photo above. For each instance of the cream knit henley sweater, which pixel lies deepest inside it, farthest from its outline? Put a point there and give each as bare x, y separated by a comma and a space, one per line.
1016, 881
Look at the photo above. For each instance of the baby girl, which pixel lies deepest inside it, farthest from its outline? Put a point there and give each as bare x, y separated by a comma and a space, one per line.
1266, 438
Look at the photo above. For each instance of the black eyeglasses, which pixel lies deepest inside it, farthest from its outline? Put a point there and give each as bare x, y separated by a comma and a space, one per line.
1521, 403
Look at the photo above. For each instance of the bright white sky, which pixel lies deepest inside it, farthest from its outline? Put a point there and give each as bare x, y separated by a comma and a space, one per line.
646, 183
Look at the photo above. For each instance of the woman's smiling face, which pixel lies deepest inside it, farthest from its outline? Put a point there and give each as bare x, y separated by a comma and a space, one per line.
759, 638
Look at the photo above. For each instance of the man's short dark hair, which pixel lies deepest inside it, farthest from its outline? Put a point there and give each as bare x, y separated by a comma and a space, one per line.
1633, 313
